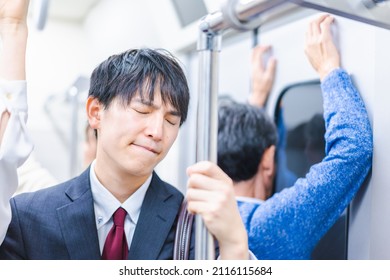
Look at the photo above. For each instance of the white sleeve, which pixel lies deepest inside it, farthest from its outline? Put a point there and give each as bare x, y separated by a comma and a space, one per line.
32, 176
16, 145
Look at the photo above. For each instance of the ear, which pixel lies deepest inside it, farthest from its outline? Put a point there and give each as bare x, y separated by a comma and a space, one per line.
267, 170
94, 108
264, 178
268, 161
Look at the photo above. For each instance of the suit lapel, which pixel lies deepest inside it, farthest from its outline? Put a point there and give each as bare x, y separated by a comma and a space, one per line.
158, 213
77, 220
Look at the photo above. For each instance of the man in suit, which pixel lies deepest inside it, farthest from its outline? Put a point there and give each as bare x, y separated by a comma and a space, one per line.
137, 101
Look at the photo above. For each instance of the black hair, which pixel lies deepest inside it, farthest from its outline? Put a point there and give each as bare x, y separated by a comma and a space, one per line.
141, 71
244, 133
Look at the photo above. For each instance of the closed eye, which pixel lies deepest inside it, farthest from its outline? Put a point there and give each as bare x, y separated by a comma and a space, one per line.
143, 112
173, 119
171, 122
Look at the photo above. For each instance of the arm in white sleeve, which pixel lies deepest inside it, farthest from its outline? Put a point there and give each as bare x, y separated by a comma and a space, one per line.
15, 146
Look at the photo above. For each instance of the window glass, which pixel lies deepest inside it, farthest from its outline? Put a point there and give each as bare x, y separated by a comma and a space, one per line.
301, 129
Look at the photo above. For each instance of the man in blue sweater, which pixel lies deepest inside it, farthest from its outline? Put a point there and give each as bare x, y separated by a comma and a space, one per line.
290, 223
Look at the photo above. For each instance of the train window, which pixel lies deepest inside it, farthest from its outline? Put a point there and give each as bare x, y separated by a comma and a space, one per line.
301, 129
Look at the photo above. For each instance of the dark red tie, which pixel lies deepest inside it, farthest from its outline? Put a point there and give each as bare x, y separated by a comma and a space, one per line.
116, 247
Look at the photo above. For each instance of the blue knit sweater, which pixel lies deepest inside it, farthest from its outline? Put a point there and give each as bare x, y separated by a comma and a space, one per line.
289, 224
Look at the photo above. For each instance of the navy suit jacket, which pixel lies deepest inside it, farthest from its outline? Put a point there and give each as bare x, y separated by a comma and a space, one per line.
59, 223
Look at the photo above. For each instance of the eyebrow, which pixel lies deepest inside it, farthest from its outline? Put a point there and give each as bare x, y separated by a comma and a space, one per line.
151, 104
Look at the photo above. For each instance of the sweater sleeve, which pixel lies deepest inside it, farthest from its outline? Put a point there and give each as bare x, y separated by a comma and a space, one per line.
15, 147
289, 224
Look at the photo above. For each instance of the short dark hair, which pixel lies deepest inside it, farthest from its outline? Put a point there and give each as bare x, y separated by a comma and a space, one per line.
244, 133
141, 71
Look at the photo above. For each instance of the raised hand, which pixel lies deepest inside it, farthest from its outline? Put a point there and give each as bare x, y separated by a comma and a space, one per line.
262, 76
319, 46
13, 31
13, 12
210, 194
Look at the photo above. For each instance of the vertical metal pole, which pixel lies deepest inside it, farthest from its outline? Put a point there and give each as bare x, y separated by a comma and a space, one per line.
209, 45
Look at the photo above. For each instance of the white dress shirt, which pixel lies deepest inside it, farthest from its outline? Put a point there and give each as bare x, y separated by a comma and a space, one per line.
16, 145
105, 204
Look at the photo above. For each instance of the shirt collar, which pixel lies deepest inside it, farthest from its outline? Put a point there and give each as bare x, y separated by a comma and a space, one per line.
249, 199
106, 204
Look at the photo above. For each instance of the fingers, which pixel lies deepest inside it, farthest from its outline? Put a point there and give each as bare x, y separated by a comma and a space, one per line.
206, 207
205, 182
13, 11
314, 26
319, 46
320, 26
209, 169
210, 194
271, 67
262, 76
198, 207
325, 27
258, 56
208, 187
203, 188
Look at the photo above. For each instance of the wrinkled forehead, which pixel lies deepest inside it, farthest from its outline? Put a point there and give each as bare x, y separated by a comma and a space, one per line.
152, 100
154, 92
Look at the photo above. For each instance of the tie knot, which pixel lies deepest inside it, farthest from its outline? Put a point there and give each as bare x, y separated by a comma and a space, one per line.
119, 217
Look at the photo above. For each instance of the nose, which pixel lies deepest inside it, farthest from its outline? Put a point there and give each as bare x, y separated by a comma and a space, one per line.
155, 127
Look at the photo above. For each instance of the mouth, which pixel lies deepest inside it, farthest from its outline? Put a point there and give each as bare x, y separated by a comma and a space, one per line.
150, 149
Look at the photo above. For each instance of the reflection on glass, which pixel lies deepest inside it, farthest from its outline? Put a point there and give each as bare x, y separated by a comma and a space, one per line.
301, 129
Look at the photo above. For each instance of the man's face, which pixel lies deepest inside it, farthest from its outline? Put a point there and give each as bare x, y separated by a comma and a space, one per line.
134, 138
